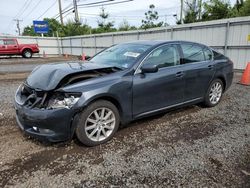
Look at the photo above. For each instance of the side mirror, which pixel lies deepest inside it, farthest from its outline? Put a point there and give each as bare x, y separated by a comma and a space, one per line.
149, 68
88, 57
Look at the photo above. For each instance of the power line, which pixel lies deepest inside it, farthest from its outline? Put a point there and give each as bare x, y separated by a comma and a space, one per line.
124, 1
47, 9
131, 16
96, 5
72, 8
69, 5
25, 8
98, 2
21, 10
36, 5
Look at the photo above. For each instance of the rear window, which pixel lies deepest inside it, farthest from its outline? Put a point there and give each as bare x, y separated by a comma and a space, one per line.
192, 53
9, 42
218, 56
1, 42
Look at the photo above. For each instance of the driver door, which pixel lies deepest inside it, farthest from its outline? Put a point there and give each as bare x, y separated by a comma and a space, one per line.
162, 89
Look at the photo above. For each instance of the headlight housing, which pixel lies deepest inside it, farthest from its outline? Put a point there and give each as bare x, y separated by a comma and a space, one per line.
63, 100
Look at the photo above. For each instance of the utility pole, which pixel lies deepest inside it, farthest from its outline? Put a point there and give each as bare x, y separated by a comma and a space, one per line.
200, 8
76, 11
181, 14
18, 25
60, 11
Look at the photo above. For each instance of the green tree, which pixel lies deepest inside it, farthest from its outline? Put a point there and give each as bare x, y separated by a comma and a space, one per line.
125, 26
245, 8
216, 9
103, 24
235, 11
191, 12
29, 31
72, 28
151, 17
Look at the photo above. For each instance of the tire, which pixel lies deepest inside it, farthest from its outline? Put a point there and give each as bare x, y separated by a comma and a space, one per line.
27, 53
99, 118
214, 93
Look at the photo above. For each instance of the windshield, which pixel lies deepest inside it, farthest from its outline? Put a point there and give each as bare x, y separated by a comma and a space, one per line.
122, 55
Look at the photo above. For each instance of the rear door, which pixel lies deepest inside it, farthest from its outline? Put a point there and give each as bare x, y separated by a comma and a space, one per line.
11, 46
155, 91
2, 47
198, 68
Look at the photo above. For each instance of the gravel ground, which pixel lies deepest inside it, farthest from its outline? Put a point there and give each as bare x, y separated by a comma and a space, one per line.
189, 147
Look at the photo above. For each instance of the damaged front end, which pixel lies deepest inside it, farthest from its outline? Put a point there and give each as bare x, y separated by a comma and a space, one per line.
45, 100
45, 114
43, 109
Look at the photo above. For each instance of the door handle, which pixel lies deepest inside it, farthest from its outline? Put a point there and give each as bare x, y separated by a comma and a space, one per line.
15, 46
179, 74
210, 67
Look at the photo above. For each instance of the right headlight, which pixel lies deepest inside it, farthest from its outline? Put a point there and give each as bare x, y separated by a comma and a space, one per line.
63, 100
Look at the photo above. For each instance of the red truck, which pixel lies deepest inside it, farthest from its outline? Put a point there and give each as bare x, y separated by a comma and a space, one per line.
11, 47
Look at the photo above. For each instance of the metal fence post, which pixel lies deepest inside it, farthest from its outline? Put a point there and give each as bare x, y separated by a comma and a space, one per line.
70, 45
172, 33
62, 46
38, 45
81, 44
226, 37
58, 44
95, 44
113, 40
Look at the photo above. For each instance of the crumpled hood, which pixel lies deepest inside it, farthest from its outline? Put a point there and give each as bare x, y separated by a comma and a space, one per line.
47, 77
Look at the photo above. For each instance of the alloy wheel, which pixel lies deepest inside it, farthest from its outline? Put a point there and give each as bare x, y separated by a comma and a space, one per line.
100, 124
215, 93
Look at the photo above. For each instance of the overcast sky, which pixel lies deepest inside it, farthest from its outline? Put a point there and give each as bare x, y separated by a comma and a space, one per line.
133, 12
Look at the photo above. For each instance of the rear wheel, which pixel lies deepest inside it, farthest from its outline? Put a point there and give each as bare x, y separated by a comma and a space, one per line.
214, 93
27, 53
98, 123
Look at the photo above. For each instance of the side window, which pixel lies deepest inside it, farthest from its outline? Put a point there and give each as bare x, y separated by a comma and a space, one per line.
1, 42
208, 54
9, 42
192, 53
218, 56
164, 56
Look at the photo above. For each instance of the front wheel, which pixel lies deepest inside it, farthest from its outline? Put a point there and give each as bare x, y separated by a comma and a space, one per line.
98, 123
214, 93
27, 53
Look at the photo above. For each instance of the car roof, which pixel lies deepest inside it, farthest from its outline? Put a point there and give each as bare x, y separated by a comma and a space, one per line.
159, 42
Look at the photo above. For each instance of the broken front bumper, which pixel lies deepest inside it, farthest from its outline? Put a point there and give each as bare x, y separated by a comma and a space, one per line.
52, 125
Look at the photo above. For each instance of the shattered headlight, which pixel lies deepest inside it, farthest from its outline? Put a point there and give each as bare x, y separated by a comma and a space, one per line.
63, 100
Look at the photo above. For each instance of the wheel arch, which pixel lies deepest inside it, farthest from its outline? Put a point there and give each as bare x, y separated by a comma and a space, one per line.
109, 98
222, 78
26, 48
